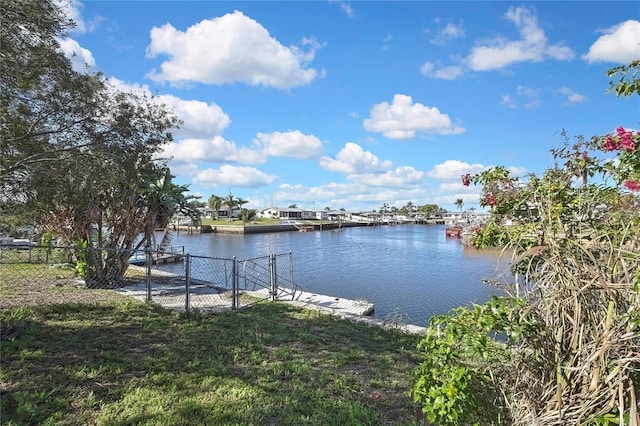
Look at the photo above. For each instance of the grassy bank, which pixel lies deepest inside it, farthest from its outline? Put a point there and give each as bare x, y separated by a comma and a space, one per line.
123, 362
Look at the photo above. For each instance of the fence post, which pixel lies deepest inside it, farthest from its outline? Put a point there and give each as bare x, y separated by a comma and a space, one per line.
234, 284
293, 285
149, 260
187, 273
274, 276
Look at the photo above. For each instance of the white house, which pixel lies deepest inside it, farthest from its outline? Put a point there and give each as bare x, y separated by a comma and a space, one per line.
290, 214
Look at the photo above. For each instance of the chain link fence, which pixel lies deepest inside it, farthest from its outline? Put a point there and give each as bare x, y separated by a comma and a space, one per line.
170, 278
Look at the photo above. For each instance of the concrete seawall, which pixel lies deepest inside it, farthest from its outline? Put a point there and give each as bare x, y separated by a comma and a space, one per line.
262, 229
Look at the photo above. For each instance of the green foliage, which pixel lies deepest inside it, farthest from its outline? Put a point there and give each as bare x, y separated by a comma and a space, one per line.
628, 82
82, 259
455, 383
248, 215
490, 235
570, 355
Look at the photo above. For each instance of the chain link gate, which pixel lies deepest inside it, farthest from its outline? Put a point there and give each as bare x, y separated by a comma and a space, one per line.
169, 278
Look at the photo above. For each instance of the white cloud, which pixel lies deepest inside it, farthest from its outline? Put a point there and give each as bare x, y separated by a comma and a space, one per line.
525, 97
386, 42
216, 150
454, 169
231, 48
81, 58
531, 96
71, 9
353, 159
620, 44
451, 72
345, 6
200, 120
233, 176
352, 195
572, 97
400, 177
508, 102
517, 171
402, 119
246, 155
500, 52
187, 170
447, 33
293, 143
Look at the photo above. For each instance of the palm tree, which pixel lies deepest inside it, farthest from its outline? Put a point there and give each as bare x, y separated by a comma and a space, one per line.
384, 209
214, 204
165, 199
241, 202
230, 202
459, 203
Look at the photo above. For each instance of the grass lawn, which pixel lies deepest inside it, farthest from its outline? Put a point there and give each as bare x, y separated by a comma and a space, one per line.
115, 361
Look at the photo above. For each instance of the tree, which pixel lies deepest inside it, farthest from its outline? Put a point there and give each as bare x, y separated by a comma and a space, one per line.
114, 195
241, 202
459, 203
77, 153
293, 206
230, 201
46, 107
214, 204
429, 210
247, 215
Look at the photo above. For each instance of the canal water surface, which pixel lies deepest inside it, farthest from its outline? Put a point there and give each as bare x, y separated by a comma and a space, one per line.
409, 272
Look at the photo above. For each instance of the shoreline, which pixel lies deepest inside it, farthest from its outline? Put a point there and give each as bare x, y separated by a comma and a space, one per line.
262, 229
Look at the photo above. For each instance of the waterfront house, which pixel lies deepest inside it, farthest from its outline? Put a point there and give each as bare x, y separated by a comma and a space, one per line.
289, 213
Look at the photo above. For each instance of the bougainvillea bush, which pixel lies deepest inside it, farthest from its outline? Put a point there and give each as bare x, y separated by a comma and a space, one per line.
563, 347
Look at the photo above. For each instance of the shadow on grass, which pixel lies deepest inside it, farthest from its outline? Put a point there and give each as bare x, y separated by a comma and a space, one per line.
134, 363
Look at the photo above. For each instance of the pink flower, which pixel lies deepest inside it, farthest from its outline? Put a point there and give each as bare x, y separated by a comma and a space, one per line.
620, 131
628, 144
610, 144
466, 179
491, 200
632, 185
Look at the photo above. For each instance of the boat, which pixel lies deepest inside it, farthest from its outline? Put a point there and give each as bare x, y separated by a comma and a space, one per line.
454, 231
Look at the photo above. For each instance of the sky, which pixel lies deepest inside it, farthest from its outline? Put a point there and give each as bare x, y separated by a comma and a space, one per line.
356, 105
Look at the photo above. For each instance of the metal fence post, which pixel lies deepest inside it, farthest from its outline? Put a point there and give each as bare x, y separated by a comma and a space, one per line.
187, 273
149, 261
274, 276
234, 284
293, 285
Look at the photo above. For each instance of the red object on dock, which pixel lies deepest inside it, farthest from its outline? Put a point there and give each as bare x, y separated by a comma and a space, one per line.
454, 231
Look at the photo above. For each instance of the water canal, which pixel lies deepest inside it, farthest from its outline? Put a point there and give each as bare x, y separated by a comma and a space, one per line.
410, 272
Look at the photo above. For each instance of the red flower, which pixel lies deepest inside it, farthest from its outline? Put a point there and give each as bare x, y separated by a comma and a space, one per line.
632, 185
491, 200
627, 142
466, 179
610, 144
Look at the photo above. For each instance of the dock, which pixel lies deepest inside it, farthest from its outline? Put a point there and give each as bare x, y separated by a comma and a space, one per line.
335, 305
140, 259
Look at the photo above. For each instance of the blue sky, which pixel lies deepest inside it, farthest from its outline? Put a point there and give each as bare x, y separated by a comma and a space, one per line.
358, 104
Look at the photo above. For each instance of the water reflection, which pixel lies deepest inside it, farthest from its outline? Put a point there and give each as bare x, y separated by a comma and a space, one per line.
410, 271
